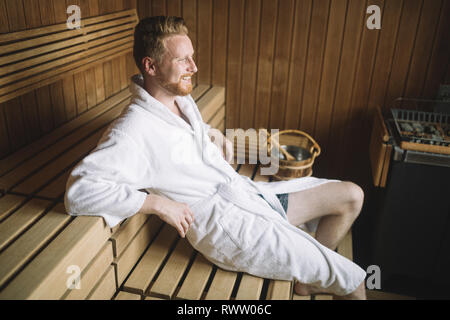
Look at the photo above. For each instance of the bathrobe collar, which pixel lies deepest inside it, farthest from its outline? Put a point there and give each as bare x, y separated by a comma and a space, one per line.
143, 99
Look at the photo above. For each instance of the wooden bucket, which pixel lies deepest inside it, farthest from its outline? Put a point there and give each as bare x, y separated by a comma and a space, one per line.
294, 140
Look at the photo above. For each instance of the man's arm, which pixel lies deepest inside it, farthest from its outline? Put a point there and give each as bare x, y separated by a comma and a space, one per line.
176, 214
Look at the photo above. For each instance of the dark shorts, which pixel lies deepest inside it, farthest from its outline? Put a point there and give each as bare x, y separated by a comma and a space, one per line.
283, 197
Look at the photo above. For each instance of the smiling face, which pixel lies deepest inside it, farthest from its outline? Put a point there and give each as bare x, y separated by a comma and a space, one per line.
174, 73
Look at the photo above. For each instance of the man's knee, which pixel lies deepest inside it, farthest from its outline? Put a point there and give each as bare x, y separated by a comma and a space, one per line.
354, 198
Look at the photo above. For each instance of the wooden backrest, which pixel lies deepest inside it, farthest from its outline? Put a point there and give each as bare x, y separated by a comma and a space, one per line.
36, 57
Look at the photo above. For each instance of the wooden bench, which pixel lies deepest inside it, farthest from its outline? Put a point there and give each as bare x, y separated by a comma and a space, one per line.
37, 57
40, 245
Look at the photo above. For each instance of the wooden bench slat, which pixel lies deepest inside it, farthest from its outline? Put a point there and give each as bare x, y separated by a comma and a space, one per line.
211, 101
50, 67
106, 287
41, 31
196, 279
115, 15
222, 285
57, 188
90, 275
28, 244
122, 237
279, 290
146, 269
23, 154
123, 295
31, 83
45, 276
218, 117
8, 204
40, 178
170, 276
125, 262
345, 248
56, 51
250, 287
247, 170
29, 166
199, 90
12, 226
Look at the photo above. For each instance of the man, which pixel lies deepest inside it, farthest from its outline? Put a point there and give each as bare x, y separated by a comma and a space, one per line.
161, 144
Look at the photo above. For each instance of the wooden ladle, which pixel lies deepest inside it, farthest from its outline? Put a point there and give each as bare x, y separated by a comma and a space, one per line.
288, 156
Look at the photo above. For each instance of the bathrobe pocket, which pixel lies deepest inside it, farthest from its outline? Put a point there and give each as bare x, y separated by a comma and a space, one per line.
243, 228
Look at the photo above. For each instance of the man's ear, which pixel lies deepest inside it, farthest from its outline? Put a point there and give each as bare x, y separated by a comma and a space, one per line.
149, 66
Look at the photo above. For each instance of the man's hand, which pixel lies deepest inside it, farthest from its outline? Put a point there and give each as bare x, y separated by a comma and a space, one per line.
176, 214
224, 145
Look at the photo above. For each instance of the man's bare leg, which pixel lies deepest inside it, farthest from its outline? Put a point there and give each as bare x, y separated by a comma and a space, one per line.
338, 204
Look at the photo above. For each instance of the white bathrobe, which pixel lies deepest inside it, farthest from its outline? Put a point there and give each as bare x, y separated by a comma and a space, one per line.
148, 147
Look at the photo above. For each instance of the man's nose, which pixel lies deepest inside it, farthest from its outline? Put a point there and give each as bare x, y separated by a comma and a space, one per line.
192, 66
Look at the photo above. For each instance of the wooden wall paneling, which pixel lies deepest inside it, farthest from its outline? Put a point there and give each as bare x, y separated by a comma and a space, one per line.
70, 102
173, 8
32, 13
131, 68
158, 8
47, 12
283, 50
93, 8
4, 28
313, 72
261, 110
386, 46
107, 75
350, 49
115, 71
249, 64
298, 63
423, 48
204, 43
189, 12
80, 92
4, 135
60, 10
16, 15
16, 127
123, 72
356, 121
91, 92
409, 23
57, 98
99, 83
219, 48
30, 116
330, 72
440, 56
234, 61
45, 111
130, 4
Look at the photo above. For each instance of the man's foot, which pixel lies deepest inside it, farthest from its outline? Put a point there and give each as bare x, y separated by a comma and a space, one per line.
302, 289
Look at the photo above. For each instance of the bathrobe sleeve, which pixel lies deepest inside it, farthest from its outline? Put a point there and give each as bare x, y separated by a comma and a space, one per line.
106, 182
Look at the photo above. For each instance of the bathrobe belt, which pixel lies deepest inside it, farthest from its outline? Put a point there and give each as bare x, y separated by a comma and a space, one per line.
233, 191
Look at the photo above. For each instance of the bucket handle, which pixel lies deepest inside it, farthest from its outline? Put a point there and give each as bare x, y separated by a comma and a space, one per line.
315, 149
